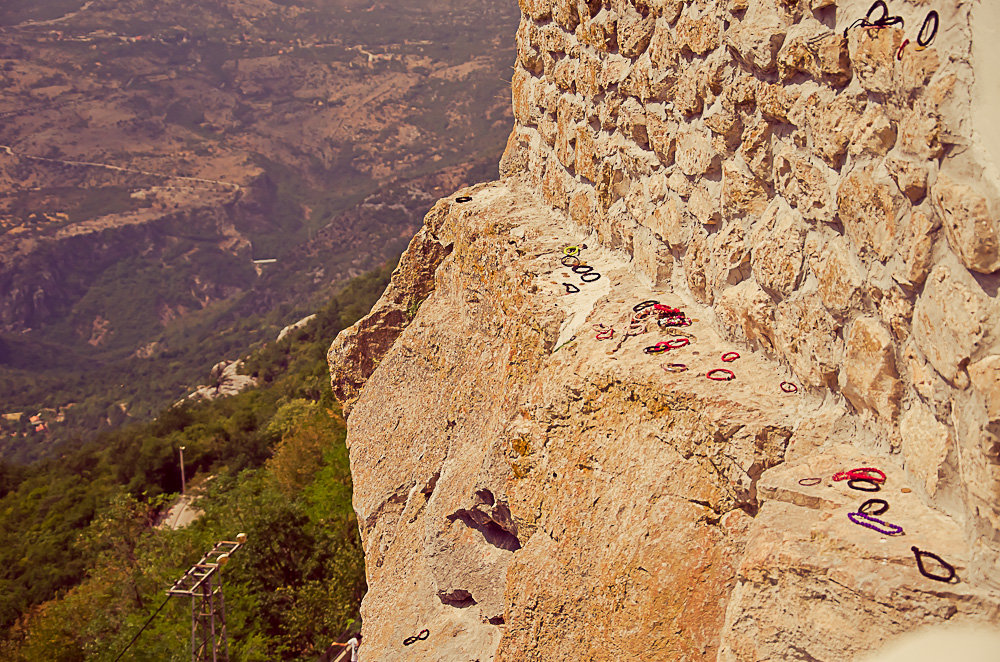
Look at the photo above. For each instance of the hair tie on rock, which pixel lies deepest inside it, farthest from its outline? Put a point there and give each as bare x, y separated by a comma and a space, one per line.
919, 554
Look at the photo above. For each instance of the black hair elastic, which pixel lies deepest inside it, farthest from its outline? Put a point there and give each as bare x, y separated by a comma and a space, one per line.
571, 288
853, 485
919, 554
860, 22
590, 277
645, 304
582, 269
923, 41
878, 4
420, 637
882, 21
571, 264
809, 482
464, 198
866, 507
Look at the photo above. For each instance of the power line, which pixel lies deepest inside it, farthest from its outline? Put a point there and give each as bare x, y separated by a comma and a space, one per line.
145, 625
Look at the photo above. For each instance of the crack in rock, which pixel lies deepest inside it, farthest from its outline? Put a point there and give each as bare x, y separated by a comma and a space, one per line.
494, 532
458, 597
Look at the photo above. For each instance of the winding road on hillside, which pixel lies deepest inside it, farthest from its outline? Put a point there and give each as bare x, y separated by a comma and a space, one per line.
60, 19
107, 166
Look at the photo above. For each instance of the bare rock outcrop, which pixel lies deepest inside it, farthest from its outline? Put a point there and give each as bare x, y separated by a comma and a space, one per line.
823, 204
526, 491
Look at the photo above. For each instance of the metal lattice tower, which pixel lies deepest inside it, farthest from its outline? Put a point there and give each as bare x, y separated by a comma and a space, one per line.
203, 584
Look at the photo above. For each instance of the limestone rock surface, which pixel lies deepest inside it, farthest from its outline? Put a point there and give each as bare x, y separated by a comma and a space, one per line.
526, 491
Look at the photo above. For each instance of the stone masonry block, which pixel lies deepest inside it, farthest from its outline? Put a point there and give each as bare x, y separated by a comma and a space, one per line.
652, 258
777, 241
806, 335
757, 40
970, 216
870, 379
634, 32
662, 137
538, 10
698, 35
840, 276
985, 375
950, 321
522, 88
516, 154
747, 312
831, 126
914, 247
742, 193
869, 205
755, 148
527, 40
823, 56
566, 14
873, 56
670, 223
874, 135
925, 445
695, 154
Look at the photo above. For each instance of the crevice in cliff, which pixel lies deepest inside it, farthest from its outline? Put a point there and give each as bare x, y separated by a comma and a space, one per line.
428, 489
493, 532
486, 497
802, 654
398, 498
458, 597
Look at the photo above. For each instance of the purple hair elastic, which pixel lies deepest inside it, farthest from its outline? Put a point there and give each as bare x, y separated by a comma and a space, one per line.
875, 524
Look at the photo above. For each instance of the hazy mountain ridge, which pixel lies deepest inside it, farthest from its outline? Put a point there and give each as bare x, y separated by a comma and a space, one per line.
159, 147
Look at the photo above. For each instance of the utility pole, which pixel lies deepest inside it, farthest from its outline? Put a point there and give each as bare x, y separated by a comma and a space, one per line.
203, 584
182, 469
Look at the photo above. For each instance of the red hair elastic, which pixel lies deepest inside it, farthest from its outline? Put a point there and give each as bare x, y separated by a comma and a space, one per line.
864, 473
720, 379
899, 53
604, 332
729, 357
789, 387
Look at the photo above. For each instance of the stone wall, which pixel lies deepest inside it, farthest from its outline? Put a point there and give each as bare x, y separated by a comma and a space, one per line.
831, 201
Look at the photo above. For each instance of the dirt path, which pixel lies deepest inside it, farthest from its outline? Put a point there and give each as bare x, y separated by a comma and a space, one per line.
53, 21
107, 166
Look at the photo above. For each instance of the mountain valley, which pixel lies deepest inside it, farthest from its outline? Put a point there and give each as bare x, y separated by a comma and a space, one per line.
180, 180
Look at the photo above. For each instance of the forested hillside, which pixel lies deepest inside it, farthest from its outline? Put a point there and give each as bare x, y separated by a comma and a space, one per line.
83, 563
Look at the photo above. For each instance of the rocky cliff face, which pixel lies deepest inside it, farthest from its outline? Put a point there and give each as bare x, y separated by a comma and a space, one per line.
824, 206
43, 277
